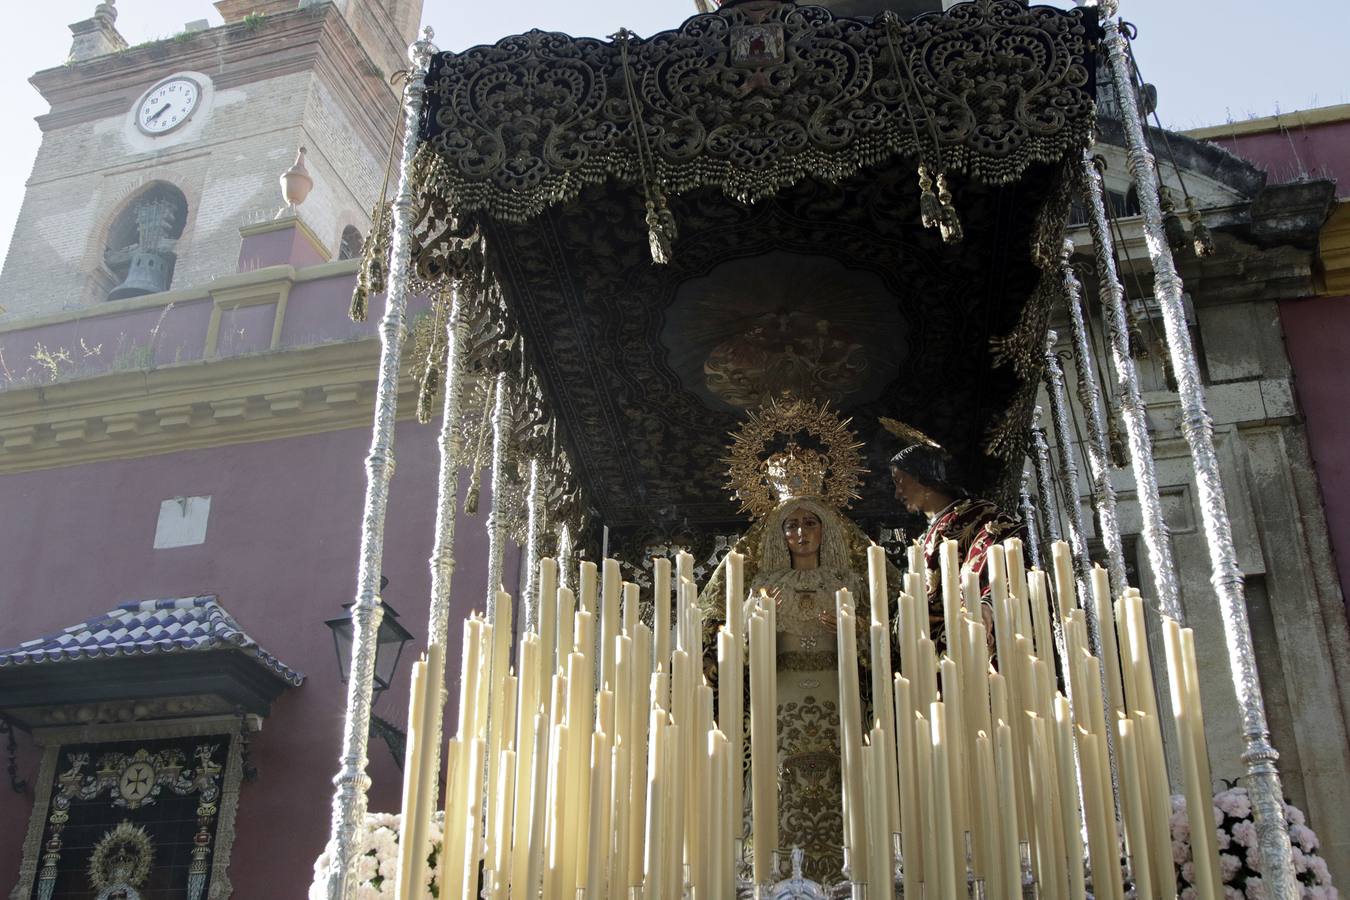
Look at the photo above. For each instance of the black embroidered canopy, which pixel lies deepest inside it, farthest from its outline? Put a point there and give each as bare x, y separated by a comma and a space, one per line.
783, 143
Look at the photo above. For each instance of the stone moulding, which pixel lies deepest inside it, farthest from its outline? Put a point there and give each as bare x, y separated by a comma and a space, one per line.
986, 89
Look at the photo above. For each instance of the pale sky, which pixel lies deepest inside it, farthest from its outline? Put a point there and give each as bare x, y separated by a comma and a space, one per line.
1212, 61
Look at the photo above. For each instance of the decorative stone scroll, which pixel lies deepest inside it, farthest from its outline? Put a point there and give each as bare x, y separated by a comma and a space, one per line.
755, 98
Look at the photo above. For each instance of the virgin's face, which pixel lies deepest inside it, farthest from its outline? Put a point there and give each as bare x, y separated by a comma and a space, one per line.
802, 530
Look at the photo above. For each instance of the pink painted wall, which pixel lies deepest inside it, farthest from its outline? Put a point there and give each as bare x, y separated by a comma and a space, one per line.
280, 553
1316, 334
1318, 151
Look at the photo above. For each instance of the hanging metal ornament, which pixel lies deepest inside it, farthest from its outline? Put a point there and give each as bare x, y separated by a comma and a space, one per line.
1202, 239
1172, 227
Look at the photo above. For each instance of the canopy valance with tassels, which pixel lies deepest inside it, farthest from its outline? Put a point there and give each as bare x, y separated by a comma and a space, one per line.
757, 97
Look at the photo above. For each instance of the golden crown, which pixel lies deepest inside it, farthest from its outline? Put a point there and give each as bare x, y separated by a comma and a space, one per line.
796, 472
763, 476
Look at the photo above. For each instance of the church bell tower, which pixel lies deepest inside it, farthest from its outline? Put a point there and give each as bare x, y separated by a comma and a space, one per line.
153, 156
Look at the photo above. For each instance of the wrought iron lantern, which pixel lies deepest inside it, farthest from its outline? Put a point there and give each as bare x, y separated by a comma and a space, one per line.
389, 644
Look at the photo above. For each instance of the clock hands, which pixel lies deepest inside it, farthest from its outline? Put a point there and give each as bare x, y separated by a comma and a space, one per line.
159, 113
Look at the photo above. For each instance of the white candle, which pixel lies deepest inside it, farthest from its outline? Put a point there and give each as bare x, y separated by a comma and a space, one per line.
1009, 863
598, 830
559, 774
674, 845
639, 721
1132, 799
911, 824
586, 582
942, 808
735, 593
412, 831
950, 561
610, 598
763, 728
631, 600
657, 796
1106, 625
850, 727
661, 614
1068, 795
504, 795
1040, 614
730, 702
472, 820
530, 852
1065, 591
527, 712
548, 621
720, 863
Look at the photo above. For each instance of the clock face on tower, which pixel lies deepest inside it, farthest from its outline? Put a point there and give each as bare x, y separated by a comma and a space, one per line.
168, 105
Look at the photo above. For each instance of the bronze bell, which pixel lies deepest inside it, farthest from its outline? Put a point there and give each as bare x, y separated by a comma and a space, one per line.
151, 259
149, 273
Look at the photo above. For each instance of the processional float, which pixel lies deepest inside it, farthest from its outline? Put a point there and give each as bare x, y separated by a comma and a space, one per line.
591, 758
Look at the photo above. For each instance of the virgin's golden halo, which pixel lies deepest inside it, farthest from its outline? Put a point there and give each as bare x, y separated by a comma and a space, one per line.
772, 433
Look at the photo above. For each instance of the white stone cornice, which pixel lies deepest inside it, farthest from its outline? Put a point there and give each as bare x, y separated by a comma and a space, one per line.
205, 403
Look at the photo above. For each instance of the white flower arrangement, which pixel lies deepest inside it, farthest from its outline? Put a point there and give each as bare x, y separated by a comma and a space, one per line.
1239, 856
377, 865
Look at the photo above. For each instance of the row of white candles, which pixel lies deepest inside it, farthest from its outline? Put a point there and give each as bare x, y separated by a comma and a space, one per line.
597, 766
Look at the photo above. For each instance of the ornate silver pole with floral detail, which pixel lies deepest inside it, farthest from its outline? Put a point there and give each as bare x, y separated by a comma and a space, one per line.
1098, 446
1068, 477
1045, 486
1030, 524
351, 781
534, 511
1157, 541
1263, 777
1068, 469
498, 514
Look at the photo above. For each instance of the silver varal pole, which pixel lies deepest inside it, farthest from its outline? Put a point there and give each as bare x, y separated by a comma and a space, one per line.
497, 514
496, 528
565, 556
1068, 468
1098, 446
1045, 488
1157, 541
1031, 525
1068, 475
533, 524
1263, 777
447, 498
351, 781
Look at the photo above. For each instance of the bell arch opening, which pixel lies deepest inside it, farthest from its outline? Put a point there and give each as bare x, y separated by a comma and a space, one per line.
140, 252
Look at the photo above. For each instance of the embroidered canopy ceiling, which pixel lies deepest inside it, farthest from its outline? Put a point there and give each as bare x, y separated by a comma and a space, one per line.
782, 143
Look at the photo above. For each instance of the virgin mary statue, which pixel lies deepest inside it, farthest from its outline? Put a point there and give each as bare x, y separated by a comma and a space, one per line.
800, 550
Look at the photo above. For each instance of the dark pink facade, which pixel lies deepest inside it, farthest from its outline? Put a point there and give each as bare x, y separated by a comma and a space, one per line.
1317, 334
280, 554
1294, 150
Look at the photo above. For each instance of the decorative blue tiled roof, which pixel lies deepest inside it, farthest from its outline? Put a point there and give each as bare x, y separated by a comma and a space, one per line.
186, 625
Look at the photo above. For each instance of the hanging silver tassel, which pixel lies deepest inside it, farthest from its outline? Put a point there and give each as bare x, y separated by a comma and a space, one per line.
1202, 239
661, 229
1172, 227
930, 210
949, 223
426, 392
